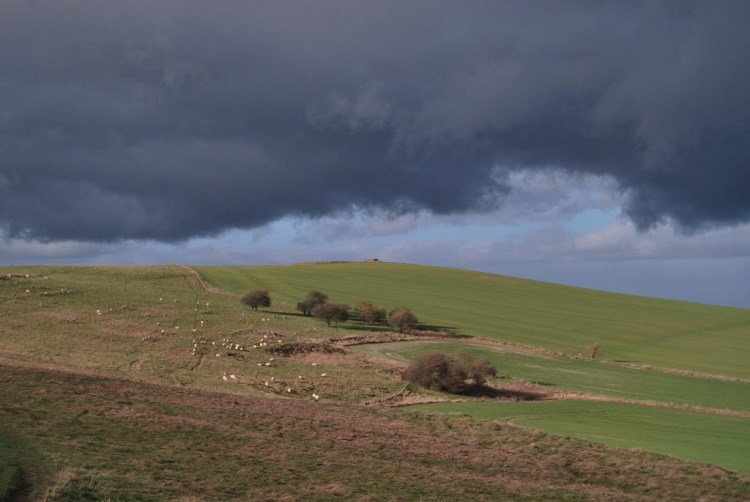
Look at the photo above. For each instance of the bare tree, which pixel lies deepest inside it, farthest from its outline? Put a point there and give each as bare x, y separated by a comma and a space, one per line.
314, 298
369, 313
458, 374
403, 319
332, 312
257, 298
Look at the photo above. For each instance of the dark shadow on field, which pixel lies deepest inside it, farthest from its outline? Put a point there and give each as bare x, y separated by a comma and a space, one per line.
281, 313
355, 323
382, 328
436, 327
506, 394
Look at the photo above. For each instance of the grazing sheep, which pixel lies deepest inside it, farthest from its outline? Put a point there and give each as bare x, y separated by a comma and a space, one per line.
316, 397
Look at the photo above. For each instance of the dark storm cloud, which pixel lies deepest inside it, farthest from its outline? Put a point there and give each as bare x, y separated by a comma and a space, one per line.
171, 119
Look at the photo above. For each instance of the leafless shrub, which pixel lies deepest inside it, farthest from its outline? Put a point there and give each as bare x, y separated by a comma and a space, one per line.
457, 374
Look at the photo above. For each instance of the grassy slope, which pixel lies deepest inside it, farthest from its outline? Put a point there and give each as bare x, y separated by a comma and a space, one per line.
703, 437
187, 445
71, 376
721, 440
585, 376
651, 331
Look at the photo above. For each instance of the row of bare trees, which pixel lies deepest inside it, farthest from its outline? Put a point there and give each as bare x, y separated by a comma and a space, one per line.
316, 304
454, 373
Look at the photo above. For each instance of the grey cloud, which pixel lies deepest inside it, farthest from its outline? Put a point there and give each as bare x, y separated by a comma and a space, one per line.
169, 120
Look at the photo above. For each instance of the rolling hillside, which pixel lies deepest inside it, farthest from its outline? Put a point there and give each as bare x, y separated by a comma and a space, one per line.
639, 330
137, 383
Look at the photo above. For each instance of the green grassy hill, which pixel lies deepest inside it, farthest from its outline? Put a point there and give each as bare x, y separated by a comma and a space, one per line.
138, 383
663, 333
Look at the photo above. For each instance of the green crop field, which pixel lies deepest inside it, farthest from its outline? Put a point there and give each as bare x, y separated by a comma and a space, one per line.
704, 437
701, 437
664, 333
584, 376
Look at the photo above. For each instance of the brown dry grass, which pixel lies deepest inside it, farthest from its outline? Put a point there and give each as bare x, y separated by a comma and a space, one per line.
232, 447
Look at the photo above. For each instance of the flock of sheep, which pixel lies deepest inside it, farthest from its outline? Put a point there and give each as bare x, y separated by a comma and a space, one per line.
202, 346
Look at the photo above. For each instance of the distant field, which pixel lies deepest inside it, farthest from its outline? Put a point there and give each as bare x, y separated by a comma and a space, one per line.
662, 333
585, 376
701, 437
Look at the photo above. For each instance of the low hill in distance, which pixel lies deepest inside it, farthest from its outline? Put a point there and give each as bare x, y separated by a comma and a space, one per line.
631, 329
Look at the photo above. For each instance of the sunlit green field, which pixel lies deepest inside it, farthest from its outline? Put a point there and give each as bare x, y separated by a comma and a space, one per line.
583, 375
701, 437
641, 330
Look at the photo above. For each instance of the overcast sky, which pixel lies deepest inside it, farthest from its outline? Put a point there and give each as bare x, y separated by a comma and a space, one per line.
603, 144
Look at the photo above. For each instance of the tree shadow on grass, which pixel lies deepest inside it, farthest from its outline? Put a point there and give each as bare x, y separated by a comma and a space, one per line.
505, 394
281, 313
357, 326
437, 327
